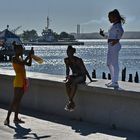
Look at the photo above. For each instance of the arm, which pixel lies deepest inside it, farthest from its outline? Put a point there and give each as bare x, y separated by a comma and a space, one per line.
113, 41
67, 68
28, 59
89, 76
85, 70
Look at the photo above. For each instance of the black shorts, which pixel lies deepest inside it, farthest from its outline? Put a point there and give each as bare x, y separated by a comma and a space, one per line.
77, 79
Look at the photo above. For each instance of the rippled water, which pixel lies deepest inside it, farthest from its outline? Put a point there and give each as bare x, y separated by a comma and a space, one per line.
93, 53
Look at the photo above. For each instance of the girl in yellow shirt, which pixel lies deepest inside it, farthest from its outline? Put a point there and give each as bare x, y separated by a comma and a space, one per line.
20, 82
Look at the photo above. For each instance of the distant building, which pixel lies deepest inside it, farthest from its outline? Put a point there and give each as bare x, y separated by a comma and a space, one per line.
7, 37
78, 29
6, 48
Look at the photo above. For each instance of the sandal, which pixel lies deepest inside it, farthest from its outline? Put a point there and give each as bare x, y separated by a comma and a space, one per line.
70, 106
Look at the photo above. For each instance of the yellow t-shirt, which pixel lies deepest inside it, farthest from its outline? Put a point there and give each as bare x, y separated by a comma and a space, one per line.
20, 78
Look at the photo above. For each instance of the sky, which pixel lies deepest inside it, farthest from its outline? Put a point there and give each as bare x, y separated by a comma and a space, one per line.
66, 14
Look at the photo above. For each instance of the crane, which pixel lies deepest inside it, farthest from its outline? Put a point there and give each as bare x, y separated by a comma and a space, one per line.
14, 30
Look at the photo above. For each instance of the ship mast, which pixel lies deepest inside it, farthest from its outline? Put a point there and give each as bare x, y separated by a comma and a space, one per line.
48, 23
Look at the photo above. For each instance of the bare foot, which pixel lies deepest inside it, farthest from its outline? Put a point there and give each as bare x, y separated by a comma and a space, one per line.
6, 122
18, 121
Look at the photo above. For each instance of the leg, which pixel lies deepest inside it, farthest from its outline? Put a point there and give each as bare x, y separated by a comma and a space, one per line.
114, 66
68, 88
71, 89
113, 82
115, 62
11, 108
71, 86
74, 84
111, 69
19, 94
109, 62
116, 73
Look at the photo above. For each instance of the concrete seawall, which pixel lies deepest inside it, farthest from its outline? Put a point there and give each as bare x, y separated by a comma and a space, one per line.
94, 102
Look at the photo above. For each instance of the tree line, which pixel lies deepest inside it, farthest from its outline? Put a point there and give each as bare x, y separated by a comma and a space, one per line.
32, 35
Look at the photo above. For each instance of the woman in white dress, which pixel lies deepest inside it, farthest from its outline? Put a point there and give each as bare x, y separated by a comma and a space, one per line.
114, 35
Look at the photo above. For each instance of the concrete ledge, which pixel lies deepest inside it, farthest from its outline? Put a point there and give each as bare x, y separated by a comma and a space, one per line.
94, 102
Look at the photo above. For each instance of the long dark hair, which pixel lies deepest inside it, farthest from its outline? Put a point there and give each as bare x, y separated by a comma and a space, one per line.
116, 13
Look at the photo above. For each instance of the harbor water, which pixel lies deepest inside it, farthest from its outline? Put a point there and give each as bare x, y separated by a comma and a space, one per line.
93, 53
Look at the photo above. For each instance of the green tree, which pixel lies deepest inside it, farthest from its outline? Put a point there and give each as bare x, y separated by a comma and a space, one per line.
64, 36
29, 35
71, 37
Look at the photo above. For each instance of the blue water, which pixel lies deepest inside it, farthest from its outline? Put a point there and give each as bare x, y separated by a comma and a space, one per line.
93, 54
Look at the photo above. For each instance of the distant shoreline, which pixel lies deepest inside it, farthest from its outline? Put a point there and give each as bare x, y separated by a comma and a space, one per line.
55, 43
103, 39
96, 35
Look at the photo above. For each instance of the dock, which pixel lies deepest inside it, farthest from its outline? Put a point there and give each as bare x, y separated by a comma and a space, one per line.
55, 43
6, 55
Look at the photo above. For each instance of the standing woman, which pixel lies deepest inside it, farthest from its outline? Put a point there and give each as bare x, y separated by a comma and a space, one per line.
114, 35
20, 82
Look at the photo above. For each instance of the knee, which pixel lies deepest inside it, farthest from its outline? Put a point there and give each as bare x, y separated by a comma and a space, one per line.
74, 84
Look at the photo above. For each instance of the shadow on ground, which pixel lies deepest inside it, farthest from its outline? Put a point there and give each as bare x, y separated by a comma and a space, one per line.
25, 133
81, 127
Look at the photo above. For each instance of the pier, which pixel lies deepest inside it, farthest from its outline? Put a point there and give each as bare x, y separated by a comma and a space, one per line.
55, 43
95, 104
